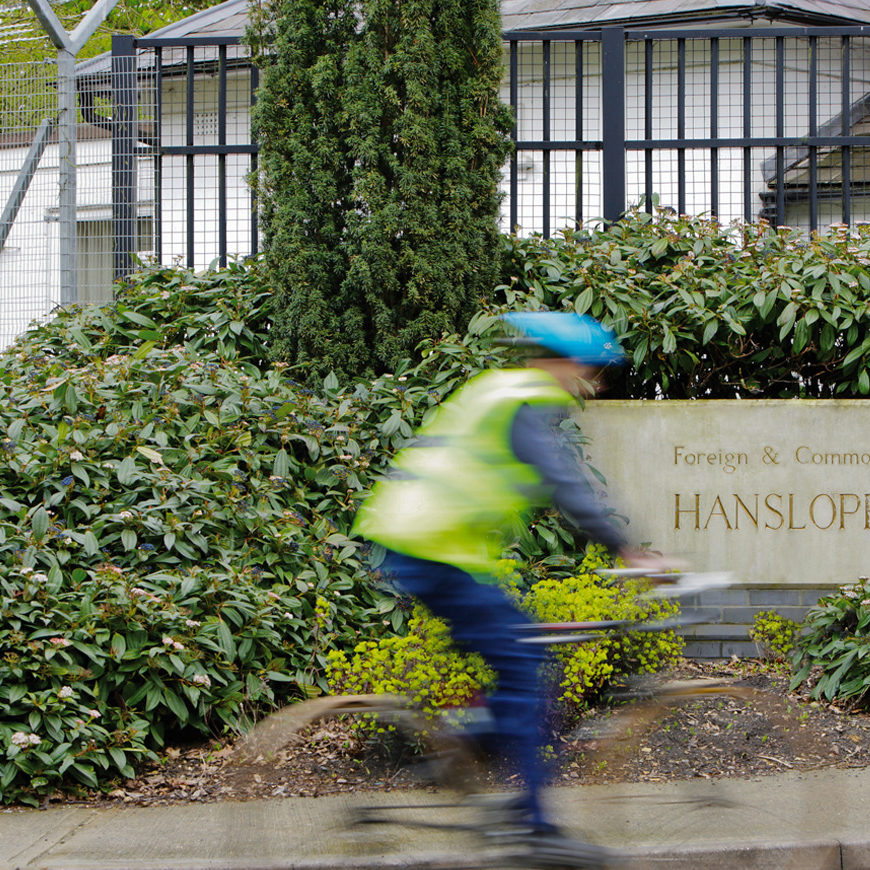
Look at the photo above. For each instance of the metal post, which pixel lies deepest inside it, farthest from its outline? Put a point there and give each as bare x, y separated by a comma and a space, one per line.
613, 122
66, 111
846, 129
681, 125
545, 103
578, 130
255, 206
124, 109
813, 128
648, 125
714, 126
780, 131
191, 159
157, 225
514, 181
747, 128
222, 158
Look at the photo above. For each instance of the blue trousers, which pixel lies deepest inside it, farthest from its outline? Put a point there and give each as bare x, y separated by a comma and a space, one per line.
482, 619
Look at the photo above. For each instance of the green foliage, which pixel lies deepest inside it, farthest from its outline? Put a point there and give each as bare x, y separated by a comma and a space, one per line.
305, 184
707, 311
774, 635
95, 668
156, 471
424, 666
382, 139
833, 650
136, 17
584, 670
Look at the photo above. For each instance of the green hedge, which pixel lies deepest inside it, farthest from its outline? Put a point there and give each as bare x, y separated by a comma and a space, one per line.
174, 521
382, 141
831, 654
711, 311
175, 510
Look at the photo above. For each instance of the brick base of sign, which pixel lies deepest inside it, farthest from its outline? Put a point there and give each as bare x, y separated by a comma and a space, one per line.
728, 615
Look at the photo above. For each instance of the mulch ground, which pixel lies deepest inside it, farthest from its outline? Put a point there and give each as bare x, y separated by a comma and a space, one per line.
767, 731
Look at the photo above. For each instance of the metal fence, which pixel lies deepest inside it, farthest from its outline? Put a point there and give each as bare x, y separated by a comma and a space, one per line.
182, 148
736, 124
162, 166
29, 165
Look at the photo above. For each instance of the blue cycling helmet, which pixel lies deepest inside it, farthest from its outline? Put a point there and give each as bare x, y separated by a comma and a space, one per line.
575, 336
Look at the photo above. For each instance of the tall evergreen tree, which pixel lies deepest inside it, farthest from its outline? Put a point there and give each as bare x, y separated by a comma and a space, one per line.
306, 183
383, 137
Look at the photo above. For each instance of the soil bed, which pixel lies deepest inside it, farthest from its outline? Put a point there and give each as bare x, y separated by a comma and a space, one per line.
766, 732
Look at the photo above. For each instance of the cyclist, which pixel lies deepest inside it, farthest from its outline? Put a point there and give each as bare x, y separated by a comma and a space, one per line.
491, 452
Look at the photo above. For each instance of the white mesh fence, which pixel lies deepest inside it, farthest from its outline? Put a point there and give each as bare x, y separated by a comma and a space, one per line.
162, 162
29, 269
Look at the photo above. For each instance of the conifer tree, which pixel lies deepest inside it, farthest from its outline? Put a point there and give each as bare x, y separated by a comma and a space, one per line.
400, 104
306, 183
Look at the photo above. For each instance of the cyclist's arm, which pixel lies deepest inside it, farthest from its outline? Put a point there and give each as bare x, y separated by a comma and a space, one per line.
534, 441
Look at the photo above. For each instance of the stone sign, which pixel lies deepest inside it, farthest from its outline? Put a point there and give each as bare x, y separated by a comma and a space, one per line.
775, 491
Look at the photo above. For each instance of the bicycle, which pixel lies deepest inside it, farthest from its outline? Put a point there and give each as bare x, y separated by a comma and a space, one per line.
452, 757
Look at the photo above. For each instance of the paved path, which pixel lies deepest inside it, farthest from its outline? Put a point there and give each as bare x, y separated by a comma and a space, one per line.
812, 821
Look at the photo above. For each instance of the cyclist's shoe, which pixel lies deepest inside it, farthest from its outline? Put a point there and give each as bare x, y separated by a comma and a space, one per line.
533, 844
549, 847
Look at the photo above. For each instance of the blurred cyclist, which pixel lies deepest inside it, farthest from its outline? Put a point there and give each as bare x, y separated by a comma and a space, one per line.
492, 452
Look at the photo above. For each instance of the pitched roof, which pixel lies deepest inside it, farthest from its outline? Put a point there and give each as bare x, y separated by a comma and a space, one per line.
231, 17
226, 19
796, 159
549, 14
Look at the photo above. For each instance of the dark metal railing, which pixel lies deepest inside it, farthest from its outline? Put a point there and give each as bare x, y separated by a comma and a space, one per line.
658, 137
152, 61
782, 151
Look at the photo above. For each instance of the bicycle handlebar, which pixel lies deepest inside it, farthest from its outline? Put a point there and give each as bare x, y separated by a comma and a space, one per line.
595, 629
671, 585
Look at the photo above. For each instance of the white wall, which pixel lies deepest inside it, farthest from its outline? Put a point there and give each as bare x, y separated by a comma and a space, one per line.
29, 263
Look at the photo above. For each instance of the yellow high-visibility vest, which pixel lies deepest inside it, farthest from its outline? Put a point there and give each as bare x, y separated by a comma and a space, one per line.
453, 494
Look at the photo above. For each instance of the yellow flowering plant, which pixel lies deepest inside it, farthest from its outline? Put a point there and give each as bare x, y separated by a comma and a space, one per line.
425, 667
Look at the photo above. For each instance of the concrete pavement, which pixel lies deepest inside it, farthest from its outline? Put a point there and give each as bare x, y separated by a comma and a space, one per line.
791, 821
